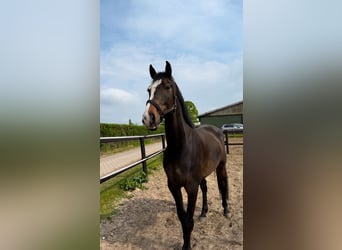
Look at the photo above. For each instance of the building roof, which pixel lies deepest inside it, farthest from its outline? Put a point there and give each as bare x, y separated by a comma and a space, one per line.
230, 109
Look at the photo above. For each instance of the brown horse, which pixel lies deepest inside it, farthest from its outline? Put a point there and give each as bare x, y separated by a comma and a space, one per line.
191, 153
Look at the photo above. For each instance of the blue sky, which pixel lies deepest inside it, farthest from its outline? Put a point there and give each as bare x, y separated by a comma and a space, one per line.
201, 39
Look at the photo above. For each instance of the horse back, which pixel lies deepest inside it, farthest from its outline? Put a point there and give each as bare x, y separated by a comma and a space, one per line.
211, 134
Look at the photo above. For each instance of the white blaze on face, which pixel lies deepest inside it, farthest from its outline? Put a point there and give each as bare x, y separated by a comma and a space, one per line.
152, 88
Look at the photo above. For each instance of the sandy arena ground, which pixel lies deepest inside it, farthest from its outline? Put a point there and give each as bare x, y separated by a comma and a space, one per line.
149, 219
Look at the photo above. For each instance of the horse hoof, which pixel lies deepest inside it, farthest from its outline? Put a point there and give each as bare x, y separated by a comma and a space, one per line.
203, 215
227, 214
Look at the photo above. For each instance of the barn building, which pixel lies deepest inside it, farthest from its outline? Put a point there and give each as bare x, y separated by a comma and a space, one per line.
232, 113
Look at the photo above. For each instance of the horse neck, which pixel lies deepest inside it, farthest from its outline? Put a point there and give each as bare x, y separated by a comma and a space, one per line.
176, 128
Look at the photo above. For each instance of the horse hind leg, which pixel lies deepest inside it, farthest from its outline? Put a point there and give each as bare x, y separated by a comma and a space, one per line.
222, 181
204, 189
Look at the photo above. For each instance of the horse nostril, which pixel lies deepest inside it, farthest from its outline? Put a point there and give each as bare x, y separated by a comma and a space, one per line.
153, 119
143, 119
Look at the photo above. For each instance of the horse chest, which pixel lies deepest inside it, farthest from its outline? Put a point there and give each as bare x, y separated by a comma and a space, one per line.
176, 171
180, 171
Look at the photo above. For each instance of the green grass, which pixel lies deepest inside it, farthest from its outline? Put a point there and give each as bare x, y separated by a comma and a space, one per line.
235, 135
112, 191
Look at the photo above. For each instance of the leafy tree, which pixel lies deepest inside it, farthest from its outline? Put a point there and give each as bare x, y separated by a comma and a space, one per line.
192, 110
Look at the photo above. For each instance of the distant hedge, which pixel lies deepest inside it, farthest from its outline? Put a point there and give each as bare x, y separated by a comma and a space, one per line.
109, 129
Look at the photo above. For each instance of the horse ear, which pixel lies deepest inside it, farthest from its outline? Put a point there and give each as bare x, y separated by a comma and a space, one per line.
152, 72
168, 70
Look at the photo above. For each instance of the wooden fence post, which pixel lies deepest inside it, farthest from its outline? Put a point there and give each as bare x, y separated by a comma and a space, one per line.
143, 153
227, 145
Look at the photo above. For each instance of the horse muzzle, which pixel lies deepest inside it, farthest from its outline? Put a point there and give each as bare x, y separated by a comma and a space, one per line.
151, 119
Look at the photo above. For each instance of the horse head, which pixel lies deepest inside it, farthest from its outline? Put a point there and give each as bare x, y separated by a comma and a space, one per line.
162, 97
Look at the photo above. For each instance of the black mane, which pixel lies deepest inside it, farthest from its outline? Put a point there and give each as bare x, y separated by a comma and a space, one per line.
183, 106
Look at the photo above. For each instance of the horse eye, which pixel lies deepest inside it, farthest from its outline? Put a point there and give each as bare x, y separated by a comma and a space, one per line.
167, 86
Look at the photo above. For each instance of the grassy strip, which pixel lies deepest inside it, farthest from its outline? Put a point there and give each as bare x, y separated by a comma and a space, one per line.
112, 191
235, 135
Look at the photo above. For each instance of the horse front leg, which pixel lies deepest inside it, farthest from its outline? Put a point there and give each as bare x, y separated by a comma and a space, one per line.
185, 217
177, 195
188, 224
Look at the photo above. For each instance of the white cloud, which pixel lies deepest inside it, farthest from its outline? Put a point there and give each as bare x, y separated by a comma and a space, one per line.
120, 106
195, 26
209, 83
112, 96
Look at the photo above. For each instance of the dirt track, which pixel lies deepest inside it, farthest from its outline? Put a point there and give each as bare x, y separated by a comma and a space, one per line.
149, 219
